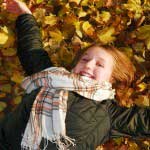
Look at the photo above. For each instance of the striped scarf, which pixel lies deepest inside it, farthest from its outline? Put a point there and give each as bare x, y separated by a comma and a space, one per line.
47, 117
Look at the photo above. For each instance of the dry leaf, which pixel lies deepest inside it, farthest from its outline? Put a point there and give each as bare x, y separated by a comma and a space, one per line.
106, 35
6, 37
87, 28
8, 52
50, 20
3, 105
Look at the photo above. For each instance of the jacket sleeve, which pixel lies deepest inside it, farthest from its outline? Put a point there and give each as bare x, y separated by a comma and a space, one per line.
132, 122
29, 45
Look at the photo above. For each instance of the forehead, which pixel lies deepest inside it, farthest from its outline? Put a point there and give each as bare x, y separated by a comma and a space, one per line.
99, 53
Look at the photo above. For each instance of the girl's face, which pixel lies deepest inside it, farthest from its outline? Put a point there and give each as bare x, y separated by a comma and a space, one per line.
96, 63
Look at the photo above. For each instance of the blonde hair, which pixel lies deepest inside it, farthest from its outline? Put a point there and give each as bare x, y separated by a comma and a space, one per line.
123, 70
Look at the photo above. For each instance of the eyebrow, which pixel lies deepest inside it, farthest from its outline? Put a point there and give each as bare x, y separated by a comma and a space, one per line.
86, 54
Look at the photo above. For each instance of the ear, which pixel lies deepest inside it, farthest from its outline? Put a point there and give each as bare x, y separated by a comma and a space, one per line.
112, 80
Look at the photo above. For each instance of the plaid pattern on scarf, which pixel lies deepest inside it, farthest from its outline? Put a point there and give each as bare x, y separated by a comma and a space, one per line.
47, 117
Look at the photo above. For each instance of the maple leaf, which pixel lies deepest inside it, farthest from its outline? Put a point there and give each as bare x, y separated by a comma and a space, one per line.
143, 33
135, 7
146, 5
88, 28
78, 29
17, 77
142, 100
106, 35
39, 1
7, 37
50, 20
105, 16
56, 35
39, 14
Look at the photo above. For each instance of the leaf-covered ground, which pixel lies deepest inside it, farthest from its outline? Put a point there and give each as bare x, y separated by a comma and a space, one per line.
67, 26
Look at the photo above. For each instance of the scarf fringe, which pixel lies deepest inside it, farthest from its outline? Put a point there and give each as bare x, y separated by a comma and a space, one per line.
63, 143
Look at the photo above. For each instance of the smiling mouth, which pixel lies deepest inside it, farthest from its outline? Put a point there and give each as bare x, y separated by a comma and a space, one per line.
82, 73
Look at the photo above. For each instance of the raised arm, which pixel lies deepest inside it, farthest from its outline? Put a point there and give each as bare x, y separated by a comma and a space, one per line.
30, 49
133, 122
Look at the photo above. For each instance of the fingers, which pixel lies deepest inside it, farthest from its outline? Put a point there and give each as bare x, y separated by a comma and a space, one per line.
16, 6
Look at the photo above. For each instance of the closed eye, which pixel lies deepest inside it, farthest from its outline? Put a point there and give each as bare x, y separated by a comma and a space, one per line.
100, 65
84, 59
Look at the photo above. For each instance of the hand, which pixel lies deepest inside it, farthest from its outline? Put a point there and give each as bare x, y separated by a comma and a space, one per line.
16, 7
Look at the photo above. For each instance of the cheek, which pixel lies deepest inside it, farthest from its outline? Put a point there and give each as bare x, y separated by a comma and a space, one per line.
103, 75
77, 68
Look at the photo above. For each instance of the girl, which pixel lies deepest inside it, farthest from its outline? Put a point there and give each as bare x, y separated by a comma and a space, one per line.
63, 110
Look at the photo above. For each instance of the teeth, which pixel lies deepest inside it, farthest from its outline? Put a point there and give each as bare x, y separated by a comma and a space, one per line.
86, 74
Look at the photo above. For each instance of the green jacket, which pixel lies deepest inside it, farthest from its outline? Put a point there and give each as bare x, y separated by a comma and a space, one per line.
90, 123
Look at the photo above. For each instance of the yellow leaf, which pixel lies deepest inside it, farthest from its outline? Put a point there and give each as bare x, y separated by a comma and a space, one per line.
133, 146
105, 16
17, 100
118, 141
143, 32
84, 2
135, 7
142, 86
147, 143
8, 52
128, 51
50, 20
64, 10
39, 1
78, 28
3, 105
75, 1
146, 5
6, 37
87, 28
56, 35
3, 35
147, 42
139, 59
6, 88
17, 77
76, 40
106, 35
142, 100
82, 13
39, 14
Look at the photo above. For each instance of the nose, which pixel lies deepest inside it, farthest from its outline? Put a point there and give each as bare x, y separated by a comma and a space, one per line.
90, 64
